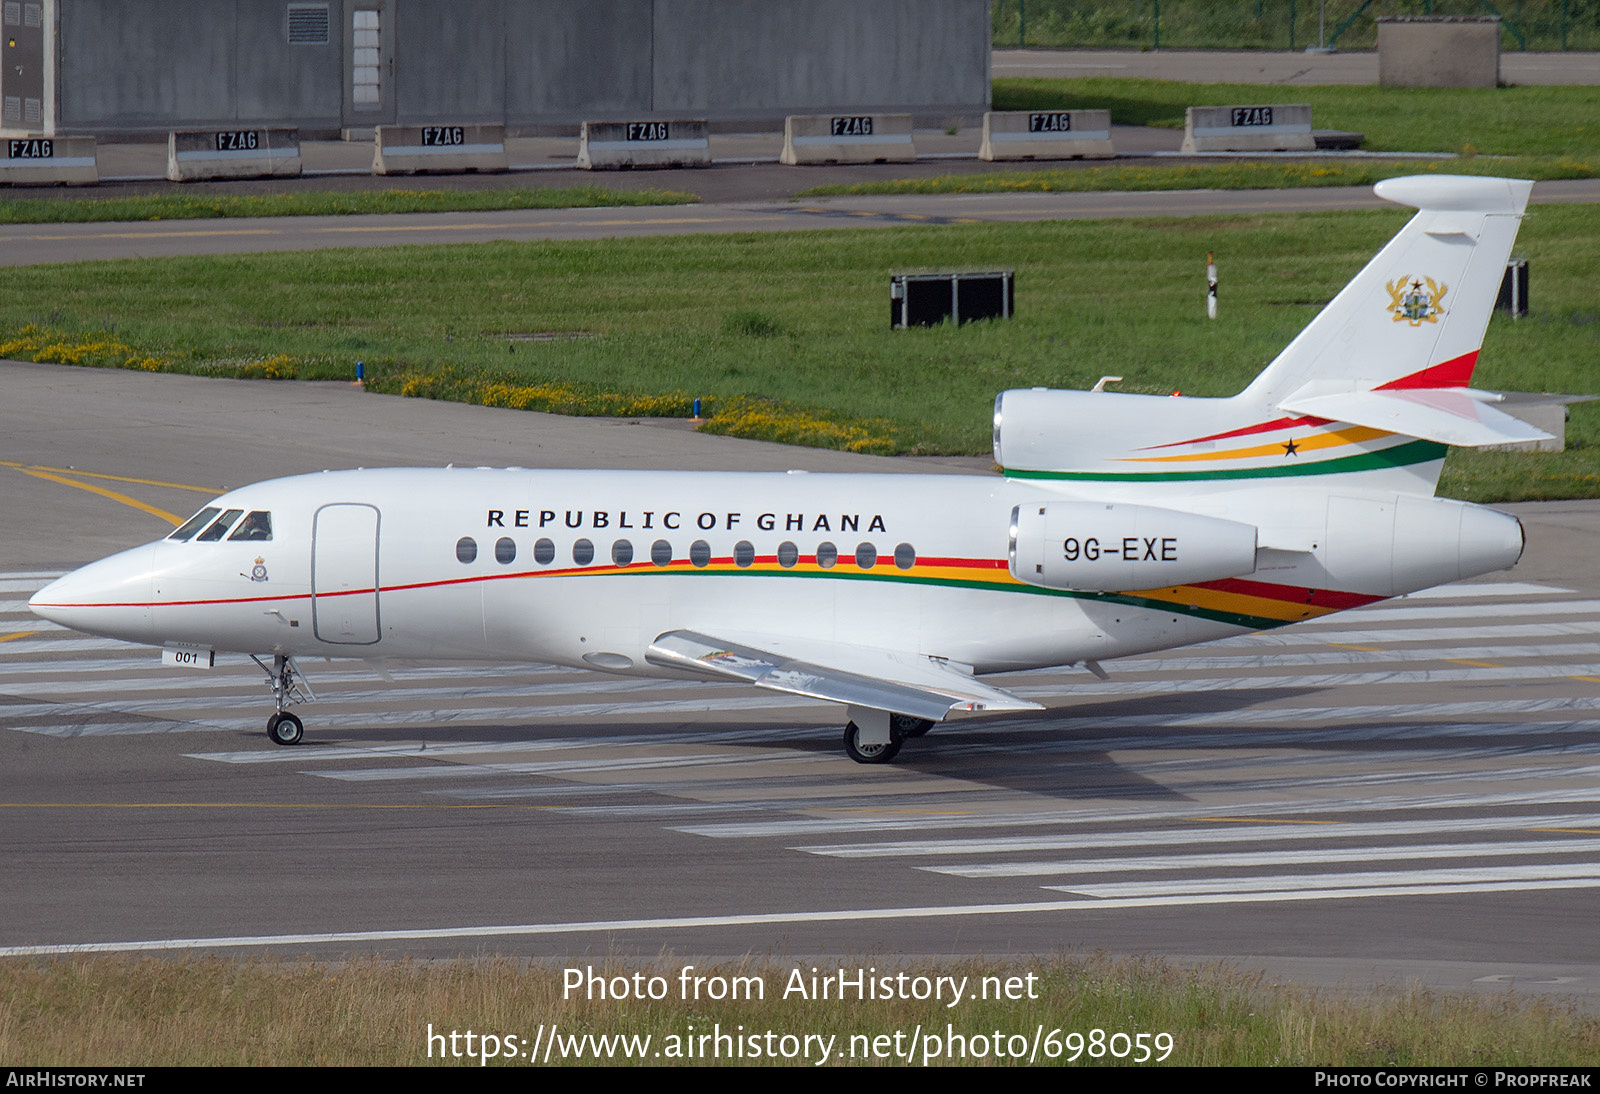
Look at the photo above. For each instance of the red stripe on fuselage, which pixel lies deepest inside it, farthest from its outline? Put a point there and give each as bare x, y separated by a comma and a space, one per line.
1264, 427
1331, 599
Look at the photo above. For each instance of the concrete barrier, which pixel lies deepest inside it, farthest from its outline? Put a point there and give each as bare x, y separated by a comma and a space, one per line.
49, 161
606, 146
1248, 129
233, 154
1046, 135
1438, 50
438, 149
847, 138
1542, 411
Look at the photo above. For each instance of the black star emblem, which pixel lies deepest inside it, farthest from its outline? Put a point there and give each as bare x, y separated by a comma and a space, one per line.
1291, 449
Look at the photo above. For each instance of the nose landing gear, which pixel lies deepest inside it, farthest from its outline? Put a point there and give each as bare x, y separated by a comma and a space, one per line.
288, 685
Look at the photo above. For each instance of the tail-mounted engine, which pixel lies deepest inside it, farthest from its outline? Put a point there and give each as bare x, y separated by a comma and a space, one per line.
1098, 547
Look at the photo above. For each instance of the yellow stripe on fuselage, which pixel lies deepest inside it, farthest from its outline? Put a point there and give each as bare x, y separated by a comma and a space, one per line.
1354, 435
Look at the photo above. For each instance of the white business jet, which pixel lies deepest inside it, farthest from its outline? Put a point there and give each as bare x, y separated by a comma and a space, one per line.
1121, 524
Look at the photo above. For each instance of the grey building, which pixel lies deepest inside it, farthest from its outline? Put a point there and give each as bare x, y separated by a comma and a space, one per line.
127, 66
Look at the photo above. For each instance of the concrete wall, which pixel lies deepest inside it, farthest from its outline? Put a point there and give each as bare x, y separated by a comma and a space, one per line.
577, 62
128, 65
1438, 51
811, 56
131, 64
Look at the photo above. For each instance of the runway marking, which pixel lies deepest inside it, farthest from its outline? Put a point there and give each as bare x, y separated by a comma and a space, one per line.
1487, 588
1369, 880
1289, 857
210, 490
801, 827
749, 218
1165, 837
1311, 637
548, 767
851, 915
1467, 611
170, 518
16, 634
1257, 820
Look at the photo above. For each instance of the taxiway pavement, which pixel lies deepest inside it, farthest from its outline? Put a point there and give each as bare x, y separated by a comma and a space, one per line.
1398, 794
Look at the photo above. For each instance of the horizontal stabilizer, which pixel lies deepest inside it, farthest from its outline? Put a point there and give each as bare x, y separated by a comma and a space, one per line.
923, 687
1446, 415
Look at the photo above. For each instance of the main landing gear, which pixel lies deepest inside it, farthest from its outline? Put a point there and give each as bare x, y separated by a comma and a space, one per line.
288, 686
902, 727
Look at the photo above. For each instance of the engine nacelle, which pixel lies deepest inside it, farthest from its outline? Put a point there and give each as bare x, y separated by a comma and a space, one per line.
1099, 547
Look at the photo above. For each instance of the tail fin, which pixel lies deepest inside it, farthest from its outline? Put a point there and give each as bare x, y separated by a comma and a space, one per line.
1415, 316
1375, 386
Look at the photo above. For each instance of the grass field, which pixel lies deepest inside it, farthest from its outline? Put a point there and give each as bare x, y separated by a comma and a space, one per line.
205, 1012
1520, 132
787, 335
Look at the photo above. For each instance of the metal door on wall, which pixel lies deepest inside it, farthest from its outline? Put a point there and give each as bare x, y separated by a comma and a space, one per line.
344, 574
22, 75
368, 63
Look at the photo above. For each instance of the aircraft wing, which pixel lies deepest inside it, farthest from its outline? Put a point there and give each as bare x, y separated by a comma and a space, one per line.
1447, 415
905, 683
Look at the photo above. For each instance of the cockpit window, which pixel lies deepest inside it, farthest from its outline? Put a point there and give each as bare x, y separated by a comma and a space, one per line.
220, 528
195, 523
256, 528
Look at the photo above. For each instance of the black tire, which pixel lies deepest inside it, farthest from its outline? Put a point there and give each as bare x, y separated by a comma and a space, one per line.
868, 754
285, 729
904, 726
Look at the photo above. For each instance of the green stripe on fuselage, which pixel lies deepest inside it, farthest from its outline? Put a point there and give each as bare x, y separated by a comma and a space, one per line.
1400, 455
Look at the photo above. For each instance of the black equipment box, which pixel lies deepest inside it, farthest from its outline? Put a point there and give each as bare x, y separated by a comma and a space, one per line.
1514, 289
923, 299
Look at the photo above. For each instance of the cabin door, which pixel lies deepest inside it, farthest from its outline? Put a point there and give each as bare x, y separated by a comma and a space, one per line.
344, 574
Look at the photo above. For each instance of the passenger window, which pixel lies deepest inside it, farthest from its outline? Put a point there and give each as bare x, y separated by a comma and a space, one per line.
744, 553
866, 556
505, 550
256, 528
544, 552
621, 552
905, 556
661, 552
466, 549
583, 552
700, 553
827, 555
788, 555
195, 523
220, 528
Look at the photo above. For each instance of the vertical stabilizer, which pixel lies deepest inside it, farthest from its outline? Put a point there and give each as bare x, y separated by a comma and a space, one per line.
1415, 316
1367, 397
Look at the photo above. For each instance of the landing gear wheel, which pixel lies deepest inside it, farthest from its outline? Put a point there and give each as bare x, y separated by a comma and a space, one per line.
285, 729
904, 726
868, 754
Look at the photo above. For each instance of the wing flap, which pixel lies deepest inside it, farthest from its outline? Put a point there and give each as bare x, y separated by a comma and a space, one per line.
924, 687
1446, 415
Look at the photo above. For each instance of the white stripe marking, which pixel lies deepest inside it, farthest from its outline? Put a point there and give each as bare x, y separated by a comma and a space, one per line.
1364, 880
852, 915
1295, 856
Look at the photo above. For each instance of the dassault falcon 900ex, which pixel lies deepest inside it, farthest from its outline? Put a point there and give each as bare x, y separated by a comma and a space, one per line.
1121, 524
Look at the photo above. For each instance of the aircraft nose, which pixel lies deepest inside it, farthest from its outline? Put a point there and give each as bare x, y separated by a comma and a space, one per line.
110, 597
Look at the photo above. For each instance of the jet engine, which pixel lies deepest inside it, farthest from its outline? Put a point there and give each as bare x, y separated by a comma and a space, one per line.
1101, 547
